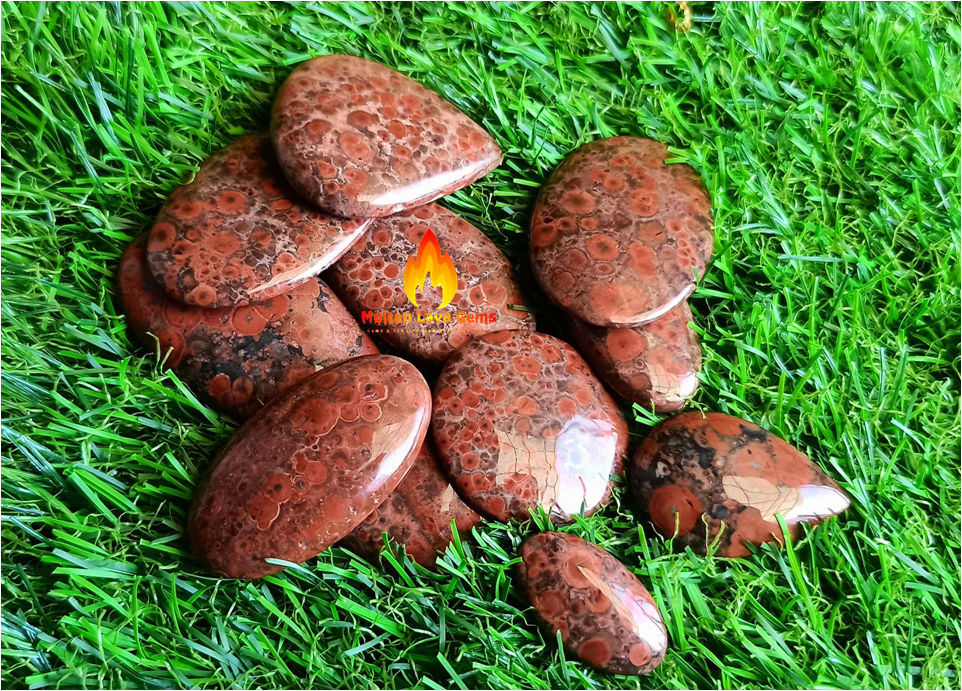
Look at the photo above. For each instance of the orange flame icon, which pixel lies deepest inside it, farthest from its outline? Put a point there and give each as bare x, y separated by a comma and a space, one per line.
430, 260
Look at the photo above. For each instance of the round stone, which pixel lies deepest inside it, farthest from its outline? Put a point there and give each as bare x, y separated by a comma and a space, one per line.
618, 238
605, 615
416, 516
655, 365
238, 234
359, 139
306, 470
521, 422
440, 259
236, 359
701, 477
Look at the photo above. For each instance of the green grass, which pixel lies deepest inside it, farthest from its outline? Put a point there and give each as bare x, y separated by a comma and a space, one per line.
828, 136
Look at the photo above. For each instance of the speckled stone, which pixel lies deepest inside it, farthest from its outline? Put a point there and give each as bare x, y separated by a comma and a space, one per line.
417, 515
605, 615
618, 238
701, 471
371, 277
311, 466
237, 233
360, 140
653, 364
238, 358
520, 421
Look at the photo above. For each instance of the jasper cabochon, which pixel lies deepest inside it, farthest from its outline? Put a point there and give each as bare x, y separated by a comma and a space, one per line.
238, 358
359, 139
237, 233
618, 237
371, 277
311, 466
702, 472
605, 615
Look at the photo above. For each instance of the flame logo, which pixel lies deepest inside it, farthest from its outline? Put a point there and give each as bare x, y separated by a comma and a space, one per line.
430, 260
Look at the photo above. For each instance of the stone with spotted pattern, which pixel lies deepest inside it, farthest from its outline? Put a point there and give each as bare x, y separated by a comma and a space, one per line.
605, 615
520, 422
618, 238
699, 477
359, 139
306, 470
236, 359
370, 276
237, 233
655, 364
416, 516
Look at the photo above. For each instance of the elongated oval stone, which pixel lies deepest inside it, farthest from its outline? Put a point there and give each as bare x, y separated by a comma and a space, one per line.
520, 421
618, 238
441, 259
311, 466
359, 139
236, 359
700, 475
417, 515
237, 233
605, 615
654, 365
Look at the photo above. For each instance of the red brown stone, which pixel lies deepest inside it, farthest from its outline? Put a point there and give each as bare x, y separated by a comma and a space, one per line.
417, 515
238, 234
360, 140
238, 358
618, 238
705, 476
303, 473
605, 615
520, 422
654, 365
480, 299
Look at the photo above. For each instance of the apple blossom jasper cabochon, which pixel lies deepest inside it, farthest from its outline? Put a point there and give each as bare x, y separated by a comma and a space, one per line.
359, 139
236, 359
311, 466
417, 515
618, 238
697, 475
655, 364
520, 422
237, 233
447, 264
605, 615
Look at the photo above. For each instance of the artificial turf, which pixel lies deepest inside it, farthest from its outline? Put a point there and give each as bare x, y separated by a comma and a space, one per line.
828, 137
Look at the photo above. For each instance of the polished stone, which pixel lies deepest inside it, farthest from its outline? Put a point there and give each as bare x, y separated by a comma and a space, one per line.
654, 365
416, 516
618, 238
306, 470
520, 422
380, 271
696, 474
359, 139
238, 234
236, 359
605, 615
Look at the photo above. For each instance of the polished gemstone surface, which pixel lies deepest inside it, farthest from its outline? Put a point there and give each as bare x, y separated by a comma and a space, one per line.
306, 470
520, 421
237, 233
417, 515
696, 473
655, 364
618, 238
466, 274
359, 139
605, 615
236, 359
